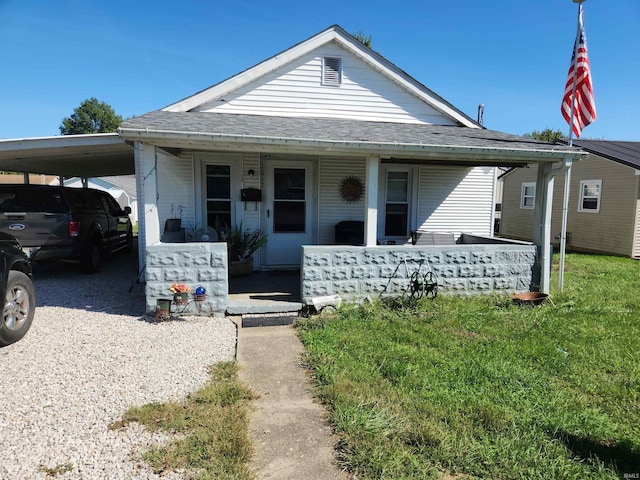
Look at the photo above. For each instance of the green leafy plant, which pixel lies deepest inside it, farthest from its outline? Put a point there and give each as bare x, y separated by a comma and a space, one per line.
242, 244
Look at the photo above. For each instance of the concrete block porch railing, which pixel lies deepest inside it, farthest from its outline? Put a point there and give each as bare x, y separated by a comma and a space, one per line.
473, 265
196, 264
354, 273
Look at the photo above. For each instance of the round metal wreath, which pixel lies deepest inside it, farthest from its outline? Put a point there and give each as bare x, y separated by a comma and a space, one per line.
351, 189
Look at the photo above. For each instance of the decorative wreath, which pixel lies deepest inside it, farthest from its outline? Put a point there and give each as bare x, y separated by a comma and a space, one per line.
351, 189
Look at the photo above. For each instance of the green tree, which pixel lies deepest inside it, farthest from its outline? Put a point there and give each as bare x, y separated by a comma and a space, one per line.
363, 39
91, 116
546, 135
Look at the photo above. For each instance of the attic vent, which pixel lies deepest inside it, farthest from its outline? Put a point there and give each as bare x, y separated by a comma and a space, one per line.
332, 71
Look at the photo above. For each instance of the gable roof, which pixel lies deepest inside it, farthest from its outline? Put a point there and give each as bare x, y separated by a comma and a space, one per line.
626, 153
332, 34
342, 136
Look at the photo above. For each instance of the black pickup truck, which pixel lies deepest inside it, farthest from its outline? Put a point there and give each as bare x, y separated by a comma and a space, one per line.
61, 223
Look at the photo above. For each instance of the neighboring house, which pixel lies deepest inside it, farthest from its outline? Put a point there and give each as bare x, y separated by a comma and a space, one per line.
325, 132
604, 200
36, 179
122, 188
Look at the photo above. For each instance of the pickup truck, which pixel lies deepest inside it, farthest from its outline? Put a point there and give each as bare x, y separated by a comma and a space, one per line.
61, 223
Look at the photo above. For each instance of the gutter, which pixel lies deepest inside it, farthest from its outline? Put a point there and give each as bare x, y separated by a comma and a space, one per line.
342, 146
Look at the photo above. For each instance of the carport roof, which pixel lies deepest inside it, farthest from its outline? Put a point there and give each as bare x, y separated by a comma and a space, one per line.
87, 156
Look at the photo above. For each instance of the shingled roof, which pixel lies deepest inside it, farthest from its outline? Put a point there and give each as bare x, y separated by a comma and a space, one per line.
626, 153
324, 131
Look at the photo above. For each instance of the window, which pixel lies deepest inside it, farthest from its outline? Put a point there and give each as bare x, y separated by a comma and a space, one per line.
528, 195
218, 196
590, 196
396, 215
331, 71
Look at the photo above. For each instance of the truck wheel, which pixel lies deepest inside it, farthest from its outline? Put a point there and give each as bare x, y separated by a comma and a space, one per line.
19, 308
90, 262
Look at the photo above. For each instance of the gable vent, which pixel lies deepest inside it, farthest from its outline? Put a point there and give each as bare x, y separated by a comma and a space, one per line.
332, 71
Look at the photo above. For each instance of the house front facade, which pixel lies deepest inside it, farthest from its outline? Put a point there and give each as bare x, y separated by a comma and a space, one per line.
324, 136
603, 213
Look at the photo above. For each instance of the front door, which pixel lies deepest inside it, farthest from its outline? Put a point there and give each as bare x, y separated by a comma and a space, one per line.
289, 211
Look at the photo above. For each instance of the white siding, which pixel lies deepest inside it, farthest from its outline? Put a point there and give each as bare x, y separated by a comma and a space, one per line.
296, 89
332, 209
456, 199
175, 187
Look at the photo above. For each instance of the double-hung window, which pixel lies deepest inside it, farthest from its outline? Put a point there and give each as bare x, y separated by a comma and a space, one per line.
396, 220
218, 196
528, 195
590, 196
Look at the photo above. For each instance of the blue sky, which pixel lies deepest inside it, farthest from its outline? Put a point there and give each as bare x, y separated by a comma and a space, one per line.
138, 56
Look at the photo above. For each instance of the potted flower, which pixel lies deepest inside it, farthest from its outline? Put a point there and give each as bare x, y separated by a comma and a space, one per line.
241, 245
180, 293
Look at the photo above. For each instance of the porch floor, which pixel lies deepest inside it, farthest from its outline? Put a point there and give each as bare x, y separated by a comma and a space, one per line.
263, 294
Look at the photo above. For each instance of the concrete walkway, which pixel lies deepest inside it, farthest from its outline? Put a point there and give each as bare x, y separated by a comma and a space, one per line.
291, 437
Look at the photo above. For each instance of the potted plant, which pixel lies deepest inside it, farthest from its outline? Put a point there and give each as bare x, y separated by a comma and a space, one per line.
241, 245
180, 293
174, 223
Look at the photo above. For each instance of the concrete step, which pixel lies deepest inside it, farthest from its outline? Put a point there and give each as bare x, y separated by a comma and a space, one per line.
268, 319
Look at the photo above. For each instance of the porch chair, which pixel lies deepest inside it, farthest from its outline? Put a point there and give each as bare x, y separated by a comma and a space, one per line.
424, 237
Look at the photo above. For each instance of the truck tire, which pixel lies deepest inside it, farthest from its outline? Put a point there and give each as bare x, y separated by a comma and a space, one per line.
19, 308
91, 258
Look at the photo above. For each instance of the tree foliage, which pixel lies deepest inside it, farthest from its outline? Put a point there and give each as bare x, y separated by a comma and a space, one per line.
92, 116
546, 135
363, 39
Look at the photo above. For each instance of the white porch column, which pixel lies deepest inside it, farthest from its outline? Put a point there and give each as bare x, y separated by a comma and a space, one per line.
542, 226
147, 187
371, 218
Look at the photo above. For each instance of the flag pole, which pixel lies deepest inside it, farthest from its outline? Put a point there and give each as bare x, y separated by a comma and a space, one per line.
567, 175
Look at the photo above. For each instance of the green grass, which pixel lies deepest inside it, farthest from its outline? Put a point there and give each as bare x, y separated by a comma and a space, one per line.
212, 438
479, 388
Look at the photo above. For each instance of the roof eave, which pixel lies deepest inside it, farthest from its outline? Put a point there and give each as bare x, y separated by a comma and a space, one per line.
397, 150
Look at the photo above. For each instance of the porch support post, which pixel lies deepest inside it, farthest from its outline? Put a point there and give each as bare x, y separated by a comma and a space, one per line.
371, 218
147, 187
542, 227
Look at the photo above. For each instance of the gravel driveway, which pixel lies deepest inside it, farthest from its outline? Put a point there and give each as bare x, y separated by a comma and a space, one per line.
89, 356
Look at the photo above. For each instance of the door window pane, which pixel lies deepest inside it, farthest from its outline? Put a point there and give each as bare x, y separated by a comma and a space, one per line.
289, 217
289, 205
289, 184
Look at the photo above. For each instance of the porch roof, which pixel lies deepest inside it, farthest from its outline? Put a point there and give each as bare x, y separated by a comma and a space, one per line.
226, 131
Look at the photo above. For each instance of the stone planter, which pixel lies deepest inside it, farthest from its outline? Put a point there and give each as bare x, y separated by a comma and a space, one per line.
240, 268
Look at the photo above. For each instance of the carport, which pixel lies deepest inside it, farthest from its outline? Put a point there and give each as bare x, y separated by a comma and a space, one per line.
67, 156
84, 156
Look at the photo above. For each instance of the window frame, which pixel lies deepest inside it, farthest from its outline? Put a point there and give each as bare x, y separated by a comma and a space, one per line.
412, 200
339, 70
598, 198
523, 195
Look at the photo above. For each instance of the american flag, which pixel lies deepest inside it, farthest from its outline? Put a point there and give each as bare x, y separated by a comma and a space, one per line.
579, 81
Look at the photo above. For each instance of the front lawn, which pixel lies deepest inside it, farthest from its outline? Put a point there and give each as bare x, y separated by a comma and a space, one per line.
479, 388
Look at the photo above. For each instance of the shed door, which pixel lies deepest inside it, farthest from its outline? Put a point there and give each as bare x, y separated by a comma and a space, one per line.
288, 212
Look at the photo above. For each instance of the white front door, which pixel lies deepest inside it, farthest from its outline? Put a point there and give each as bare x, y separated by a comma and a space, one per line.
289, 211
